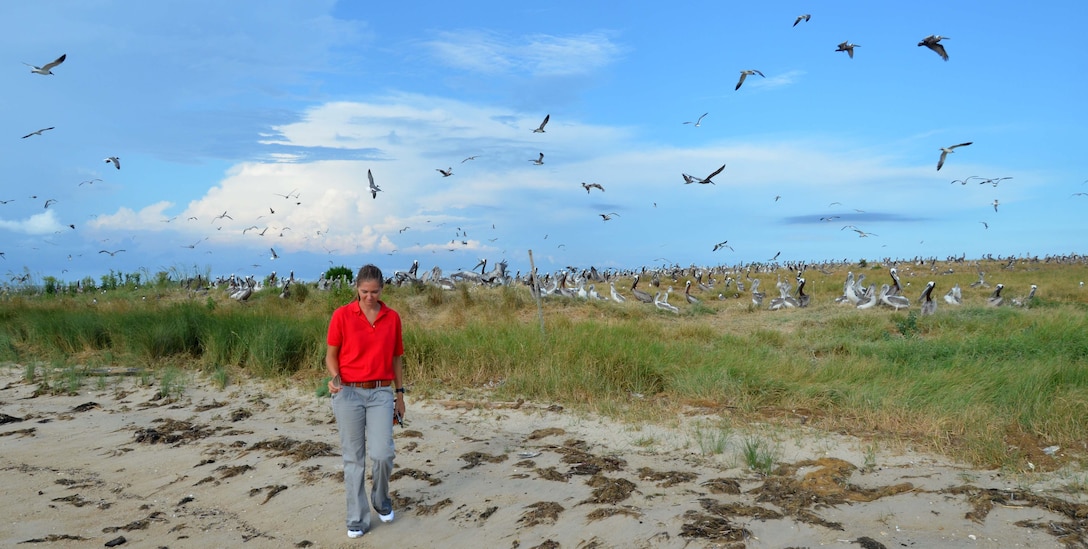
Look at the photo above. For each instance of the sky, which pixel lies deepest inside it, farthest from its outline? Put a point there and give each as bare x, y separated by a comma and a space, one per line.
245, 131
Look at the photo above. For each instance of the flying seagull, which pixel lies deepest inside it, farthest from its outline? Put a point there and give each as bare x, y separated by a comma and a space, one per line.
608, 216
800, 18
722, 244
46, 69
274, 254
985, 224
588, 186
946, 150
113, 253
89, 182
744, 74
474, 157
933, 42
50, 202
116, 161
848, 48
688, 179
446, 172
540, 129
995, 204
697, 122
39, 132
538, 161
374, 189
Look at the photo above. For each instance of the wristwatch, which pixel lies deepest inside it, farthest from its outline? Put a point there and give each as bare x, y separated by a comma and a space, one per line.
400, 389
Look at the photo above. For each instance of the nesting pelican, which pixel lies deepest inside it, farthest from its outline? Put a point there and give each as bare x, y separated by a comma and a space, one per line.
744, 74
928, 305
954, 296
46, 69
995, 299
946, 150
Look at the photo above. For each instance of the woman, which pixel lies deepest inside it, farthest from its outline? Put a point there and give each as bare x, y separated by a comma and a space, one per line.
364, 357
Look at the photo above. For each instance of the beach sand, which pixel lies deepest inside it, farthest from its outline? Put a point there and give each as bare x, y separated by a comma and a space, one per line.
256, 466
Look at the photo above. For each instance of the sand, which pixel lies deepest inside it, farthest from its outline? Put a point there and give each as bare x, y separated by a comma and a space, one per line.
256, 466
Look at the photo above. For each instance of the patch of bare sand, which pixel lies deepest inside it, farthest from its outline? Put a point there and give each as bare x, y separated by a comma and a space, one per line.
259, 466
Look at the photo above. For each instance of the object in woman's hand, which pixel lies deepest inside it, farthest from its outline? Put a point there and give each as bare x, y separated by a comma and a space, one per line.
397, 418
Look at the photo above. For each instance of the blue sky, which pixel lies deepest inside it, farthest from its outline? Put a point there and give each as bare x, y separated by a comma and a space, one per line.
272, 112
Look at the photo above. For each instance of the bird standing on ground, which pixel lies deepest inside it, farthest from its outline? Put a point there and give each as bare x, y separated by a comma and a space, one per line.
848, 48
374, 189
116, 162
933, 42
928, 305
946, 150
995, 298
744, 74
540, 129
46, 69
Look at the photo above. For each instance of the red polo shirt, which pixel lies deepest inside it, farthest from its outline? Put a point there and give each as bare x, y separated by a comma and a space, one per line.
366, 350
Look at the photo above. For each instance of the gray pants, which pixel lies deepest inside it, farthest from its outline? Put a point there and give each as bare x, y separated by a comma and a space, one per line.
365, 420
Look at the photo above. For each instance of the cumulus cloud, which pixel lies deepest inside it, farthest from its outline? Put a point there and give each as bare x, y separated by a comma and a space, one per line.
37, 224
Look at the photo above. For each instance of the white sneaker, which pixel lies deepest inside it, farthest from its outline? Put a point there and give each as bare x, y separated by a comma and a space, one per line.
355, 533
386, 518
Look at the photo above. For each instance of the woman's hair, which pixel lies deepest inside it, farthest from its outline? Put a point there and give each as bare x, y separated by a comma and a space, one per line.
369, 272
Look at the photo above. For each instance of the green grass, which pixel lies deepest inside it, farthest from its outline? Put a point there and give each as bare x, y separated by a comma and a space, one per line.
958, 382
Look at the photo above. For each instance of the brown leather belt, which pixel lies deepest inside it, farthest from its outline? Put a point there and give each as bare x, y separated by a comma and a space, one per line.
368, 384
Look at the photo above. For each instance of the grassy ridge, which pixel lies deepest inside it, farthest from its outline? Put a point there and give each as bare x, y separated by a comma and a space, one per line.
964, 382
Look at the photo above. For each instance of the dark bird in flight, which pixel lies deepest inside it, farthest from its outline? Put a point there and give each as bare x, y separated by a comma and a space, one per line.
848, 48
446, 172
722, 244
688, 179
470, 158
46, 69
588, 186
699, 121
933, 42
800, 18
116, 161
113, 253
608, 216
540, 129
538, 161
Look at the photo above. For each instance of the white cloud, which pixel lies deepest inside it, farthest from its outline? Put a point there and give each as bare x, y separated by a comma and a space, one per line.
537, 55
37, 224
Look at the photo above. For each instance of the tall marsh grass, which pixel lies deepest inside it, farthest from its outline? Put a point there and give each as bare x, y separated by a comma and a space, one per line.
965, 381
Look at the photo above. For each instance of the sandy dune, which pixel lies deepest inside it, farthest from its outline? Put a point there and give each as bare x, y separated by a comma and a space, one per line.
254, 466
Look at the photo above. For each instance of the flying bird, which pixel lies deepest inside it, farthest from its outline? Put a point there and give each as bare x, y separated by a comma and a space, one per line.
538, 161
113, 253
470, 158
933, 42
116, 161
608, 216
446, 172
374, 189
46, 69
985, 224
39, 132
274, 254
89, 182
744, 74
723, 244
800, 18
50, 202
995, 205
688, 179
221, 216
848, 48
946, 150
588, 186
697, 122
540, 129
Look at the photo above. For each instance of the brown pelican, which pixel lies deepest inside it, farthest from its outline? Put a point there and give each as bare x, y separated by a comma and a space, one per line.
744, 74
995, 298
540, 129
1025, 301
664, 305
446, 172
848, 48
954, 296
615, 295
894, 301
687, 294
784, 299
723, 244
800, 18
46, 69
757, 296
946, 150
802, 297
869, 299
933, 42
639, 294
895, 288
928, 305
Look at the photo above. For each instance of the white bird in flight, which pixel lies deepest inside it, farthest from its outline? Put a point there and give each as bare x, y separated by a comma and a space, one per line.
540, 129
744, 74
800, 18
39, 132
374, 189
116, 162
946, 150
539, 160
46, 69
699, 121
